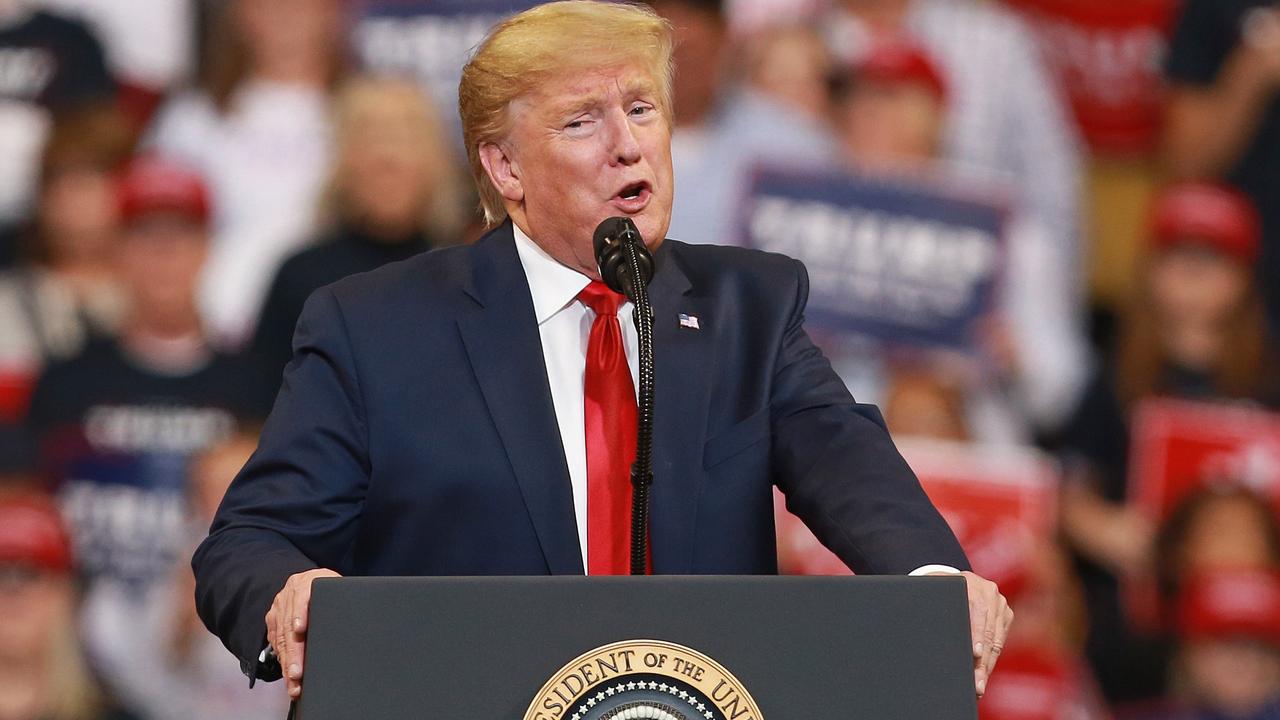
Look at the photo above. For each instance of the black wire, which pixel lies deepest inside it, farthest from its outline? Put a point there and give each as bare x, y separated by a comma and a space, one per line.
642, 468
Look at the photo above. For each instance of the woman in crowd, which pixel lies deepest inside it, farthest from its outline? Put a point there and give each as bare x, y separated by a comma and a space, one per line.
392, 193
1221, 524
258, 128
67, 290
1195, 330
1226, 665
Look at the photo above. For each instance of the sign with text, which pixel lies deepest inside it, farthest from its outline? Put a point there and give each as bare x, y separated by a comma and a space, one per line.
1109, 58
912, 261
426, 40
999, 501
1179, 445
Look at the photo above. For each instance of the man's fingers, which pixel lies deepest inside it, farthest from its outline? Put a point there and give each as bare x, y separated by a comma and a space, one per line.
289, 663
984, 613
287, 625
1003, 620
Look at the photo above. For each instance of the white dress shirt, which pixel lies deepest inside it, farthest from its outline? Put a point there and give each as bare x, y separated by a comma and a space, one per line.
564, 326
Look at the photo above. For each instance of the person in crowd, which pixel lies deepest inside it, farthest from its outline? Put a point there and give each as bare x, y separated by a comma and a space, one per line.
1223, 115
176, 650
117, 424
890, 113
149, 45
926, 401
258, 128
725, 127
392, 193
790, 64
43, 673
1004, 113
1042, 675
1194, 330
1222, 524
1226, 664
52, 65
66, 290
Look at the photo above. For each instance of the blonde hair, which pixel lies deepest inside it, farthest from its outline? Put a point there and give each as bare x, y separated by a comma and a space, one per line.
547, 41
361, 99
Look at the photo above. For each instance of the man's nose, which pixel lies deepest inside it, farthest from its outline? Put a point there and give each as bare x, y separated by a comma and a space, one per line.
624, 147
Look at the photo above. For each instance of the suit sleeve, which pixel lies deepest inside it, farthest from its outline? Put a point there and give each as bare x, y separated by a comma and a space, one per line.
840, 471
295, 505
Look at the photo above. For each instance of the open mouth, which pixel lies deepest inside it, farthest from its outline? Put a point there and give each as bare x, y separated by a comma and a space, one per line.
633, 197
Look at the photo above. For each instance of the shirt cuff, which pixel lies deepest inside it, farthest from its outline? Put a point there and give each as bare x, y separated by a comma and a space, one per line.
926, 569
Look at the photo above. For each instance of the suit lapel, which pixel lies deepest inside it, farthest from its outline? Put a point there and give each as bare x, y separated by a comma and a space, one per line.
502, 342
682, 372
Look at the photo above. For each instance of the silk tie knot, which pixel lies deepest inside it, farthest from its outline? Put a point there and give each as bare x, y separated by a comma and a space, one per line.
601, 299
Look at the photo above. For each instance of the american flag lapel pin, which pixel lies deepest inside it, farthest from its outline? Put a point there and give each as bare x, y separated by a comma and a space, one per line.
689, 321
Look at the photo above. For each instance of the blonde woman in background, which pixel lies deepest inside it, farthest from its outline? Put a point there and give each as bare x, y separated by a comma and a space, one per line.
393, 192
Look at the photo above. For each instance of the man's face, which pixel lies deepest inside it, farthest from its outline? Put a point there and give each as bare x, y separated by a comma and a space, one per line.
583, 148
160, 257
890, 125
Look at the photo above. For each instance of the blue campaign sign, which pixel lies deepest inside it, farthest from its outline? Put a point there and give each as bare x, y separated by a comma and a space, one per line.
429, 40
902, 261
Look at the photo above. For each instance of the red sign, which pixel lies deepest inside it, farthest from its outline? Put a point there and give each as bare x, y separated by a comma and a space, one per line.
1178, 446
1109, 58
1036, 683
999, 501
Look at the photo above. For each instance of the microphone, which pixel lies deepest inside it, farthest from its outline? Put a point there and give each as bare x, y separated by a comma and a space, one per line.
626, 266
616, 242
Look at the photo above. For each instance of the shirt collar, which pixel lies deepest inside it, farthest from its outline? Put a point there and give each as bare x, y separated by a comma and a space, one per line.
552, 285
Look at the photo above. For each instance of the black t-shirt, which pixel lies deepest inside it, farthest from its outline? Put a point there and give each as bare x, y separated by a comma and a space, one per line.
115, 439
52, 61
1208, 32
347, 252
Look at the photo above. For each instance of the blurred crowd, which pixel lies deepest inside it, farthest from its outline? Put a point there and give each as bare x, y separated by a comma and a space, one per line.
177, 176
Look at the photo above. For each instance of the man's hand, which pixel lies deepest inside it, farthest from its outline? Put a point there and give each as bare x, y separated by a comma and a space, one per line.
989, 619
287, 625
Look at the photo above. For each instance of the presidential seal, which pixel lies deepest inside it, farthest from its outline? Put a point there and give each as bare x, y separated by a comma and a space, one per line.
643, 680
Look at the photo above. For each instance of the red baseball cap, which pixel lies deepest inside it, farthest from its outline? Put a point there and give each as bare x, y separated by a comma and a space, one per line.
1231, 603
32, 533
152, 184
900, 61
1207, 213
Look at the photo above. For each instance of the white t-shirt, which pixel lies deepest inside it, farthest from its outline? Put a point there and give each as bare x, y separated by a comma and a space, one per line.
265, 161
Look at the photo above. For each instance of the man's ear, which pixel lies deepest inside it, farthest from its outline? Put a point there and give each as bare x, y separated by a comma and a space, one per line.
503, 172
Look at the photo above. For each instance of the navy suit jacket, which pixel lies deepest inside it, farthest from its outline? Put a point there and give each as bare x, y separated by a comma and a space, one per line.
414, 434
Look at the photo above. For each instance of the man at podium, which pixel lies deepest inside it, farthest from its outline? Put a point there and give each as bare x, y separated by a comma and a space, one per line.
472, 411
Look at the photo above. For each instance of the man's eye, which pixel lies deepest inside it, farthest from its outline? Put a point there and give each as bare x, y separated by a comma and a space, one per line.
641, 110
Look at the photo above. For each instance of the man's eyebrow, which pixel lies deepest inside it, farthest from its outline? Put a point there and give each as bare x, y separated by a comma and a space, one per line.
631, 89
579, 104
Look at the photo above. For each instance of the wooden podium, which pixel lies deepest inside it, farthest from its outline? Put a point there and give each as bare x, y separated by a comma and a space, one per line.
649, 648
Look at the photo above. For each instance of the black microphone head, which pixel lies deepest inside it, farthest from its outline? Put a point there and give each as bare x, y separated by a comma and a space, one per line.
611, 239
610, 232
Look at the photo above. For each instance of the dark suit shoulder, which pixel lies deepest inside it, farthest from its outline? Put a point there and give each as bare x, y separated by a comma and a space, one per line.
743, 272
732, 258
433, 280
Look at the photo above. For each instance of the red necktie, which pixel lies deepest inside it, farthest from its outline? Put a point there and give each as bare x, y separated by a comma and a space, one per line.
610, 421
